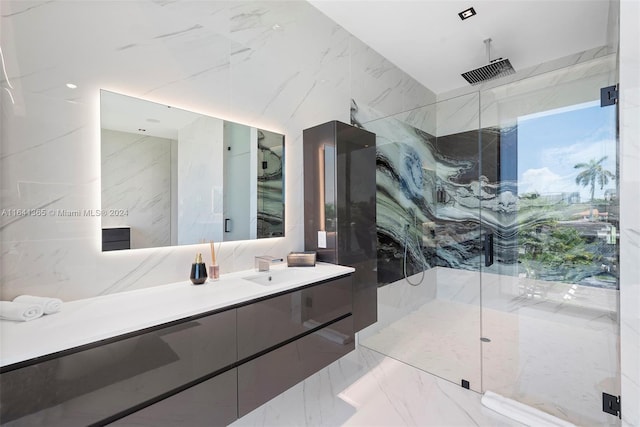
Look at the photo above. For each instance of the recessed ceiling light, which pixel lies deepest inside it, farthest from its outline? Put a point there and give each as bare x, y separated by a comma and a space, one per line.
468, 13
71, 86
276, 27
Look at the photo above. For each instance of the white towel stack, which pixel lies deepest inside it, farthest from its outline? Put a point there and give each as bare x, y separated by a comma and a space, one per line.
28, 307
49, 305
19, 311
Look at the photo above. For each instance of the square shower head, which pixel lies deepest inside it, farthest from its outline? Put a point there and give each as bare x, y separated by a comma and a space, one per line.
498, 68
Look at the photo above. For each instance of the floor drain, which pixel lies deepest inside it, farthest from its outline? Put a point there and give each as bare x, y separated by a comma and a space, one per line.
483, 339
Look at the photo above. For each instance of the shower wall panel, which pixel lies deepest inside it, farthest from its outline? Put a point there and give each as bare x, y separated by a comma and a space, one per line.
405, 183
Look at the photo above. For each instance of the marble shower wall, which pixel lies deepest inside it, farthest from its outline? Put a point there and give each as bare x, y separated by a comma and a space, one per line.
282, 66
629, 208
405, 180
431, 154
541, 69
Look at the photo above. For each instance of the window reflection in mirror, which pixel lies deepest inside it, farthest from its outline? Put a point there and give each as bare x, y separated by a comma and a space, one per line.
174, 177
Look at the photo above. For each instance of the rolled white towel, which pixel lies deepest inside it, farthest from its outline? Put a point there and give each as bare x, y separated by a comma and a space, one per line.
49, 305
19, 311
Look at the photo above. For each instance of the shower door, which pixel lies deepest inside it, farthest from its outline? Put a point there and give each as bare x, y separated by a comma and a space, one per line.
428, 228
549, 273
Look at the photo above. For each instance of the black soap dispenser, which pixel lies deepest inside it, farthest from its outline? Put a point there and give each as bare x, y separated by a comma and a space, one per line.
198, 271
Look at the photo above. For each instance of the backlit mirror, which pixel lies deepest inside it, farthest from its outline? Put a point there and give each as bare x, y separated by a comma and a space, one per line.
175, 177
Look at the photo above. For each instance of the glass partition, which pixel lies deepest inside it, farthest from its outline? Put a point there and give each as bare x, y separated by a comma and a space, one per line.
498, 240
550, 296
428, 225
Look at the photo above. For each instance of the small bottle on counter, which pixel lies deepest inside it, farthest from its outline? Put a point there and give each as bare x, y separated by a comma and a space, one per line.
214, 272
198, 271
214, 268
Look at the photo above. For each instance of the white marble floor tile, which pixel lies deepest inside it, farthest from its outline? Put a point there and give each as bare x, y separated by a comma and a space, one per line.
554, 358
366, 388
440, 337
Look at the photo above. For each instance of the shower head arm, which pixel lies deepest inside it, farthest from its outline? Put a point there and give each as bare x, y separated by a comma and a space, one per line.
487, 44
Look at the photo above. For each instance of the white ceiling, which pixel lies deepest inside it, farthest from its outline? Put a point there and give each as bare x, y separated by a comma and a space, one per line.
428, 40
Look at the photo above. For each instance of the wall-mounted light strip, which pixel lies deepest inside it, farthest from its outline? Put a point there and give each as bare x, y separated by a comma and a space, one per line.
468, 13
321, 189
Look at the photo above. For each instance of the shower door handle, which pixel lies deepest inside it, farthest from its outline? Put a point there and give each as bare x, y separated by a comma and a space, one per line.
488, 250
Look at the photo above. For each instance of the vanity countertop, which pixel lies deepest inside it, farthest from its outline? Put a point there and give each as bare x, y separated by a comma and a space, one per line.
93, 319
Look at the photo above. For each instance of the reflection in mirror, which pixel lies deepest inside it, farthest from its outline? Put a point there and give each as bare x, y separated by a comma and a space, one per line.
270, 184
174, 177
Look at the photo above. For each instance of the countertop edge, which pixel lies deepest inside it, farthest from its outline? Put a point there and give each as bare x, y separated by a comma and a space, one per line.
85, 322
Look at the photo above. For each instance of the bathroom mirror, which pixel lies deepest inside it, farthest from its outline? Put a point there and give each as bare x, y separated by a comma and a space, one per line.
175, 177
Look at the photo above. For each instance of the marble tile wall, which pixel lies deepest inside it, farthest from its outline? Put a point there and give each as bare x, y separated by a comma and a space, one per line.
282, 66
629, 57
540, 69
405, 179
499, 102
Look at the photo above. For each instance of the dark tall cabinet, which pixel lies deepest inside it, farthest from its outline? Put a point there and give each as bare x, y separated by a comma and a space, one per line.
340, 207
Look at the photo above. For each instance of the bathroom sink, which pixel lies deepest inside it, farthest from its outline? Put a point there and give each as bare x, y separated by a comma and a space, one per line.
275, 277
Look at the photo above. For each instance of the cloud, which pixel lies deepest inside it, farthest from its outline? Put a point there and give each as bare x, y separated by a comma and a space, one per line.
565, 157
560, 175
542, 181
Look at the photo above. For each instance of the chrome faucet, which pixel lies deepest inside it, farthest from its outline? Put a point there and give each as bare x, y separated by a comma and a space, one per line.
263, 262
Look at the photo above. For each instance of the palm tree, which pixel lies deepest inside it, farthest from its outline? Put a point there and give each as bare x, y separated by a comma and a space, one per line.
592, 172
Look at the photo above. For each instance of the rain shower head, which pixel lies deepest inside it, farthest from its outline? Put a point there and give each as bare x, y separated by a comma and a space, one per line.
496, 68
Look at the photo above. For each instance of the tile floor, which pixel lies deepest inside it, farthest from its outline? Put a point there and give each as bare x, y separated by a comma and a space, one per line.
557, 351
560, 346
366, 388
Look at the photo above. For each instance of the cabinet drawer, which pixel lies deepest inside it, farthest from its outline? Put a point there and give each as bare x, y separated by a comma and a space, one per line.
265, 377
211, 403
85, 387
274, 320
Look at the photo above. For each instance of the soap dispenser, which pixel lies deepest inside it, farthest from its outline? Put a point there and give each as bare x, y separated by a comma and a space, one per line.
198, 271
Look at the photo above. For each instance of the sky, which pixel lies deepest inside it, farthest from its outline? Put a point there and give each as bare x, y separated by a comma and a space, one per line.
551, 143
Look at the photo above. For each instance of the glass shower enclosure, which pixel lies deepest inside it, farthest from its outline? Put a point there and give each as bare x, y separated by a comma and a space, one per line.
498, 240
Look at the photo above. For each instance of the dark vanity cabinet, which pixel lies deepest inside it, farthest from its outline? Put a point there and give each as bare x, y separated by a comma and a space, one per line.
293, 335
272, 373
213, 402
274, 320
340, 207
96, 382
202, 370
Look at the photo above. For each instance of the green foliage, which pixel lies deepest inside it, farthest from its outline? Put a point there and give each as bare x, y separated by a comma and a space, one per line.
554, 246
530, 196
